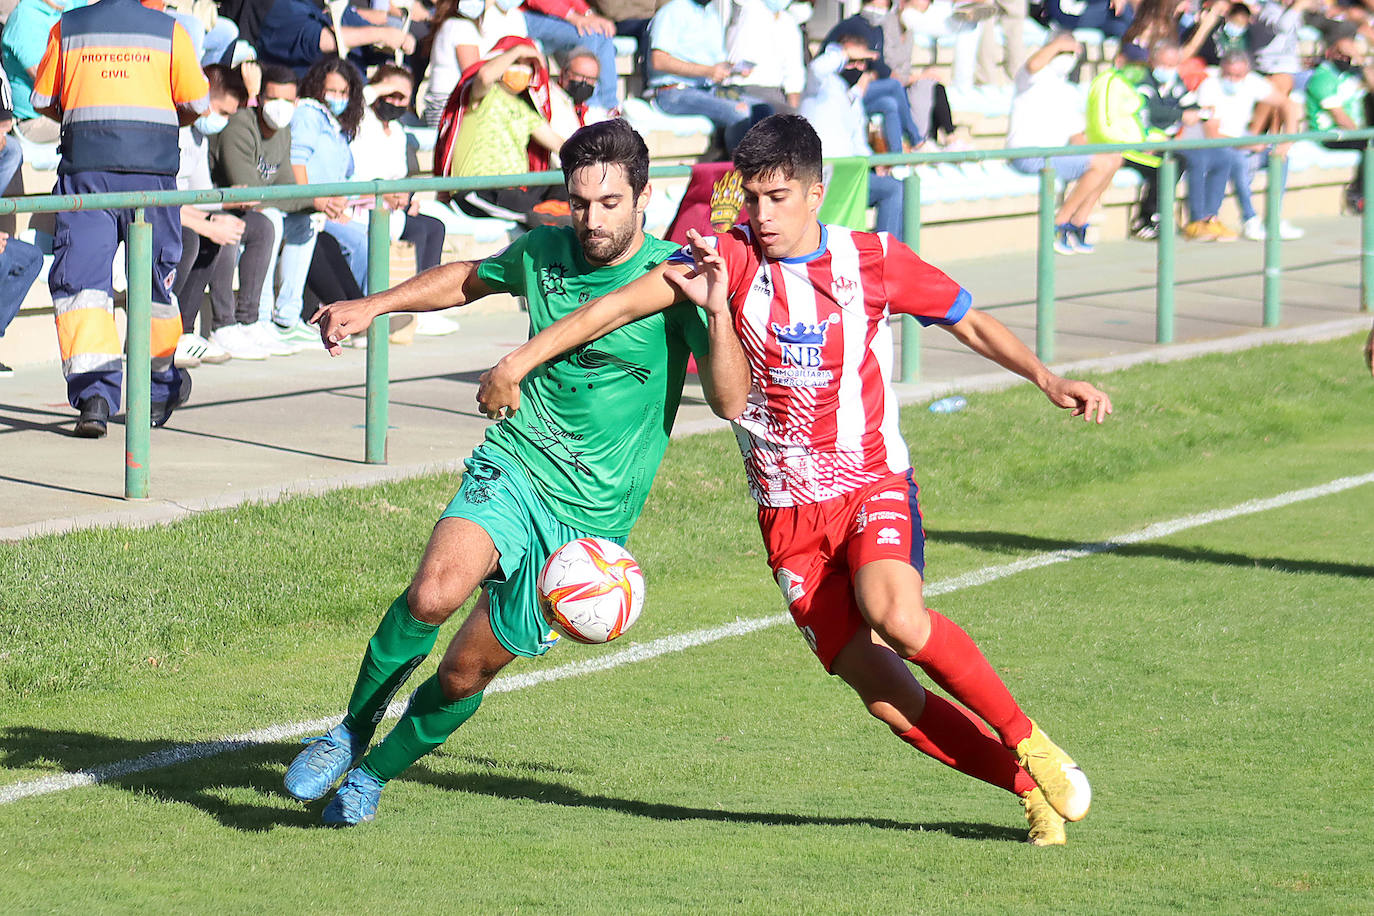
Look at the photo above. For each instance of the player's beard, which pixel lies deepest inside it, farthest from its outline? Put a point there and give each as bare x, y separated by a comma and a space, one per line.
604, 249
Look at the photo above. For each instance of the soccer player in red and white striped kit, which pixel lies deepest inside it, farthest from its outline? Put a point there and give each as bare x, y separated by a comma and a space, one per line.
827, 463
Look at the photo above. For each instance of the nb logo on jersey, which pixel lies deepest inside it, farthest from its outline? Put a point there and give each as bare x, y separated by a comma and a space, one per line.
801, 343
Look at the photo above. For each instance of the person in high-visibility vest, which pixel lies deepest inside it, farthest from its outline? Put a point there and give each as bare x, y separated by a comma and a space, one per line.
122, 79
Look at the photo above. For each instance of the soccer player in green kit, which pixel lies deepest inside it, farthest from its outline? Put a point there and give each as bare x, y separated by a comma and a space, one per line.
578, 459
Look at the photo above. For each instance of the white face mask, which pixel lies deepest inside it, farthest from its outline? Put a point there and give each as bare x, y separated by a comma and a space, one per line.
800, 11
911, 19
278, 112
471, 9
507, 5
1061, 66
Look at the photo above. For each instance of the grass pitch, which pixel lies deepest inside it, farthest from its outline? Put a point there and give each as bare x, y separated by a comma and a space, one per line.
1213, 683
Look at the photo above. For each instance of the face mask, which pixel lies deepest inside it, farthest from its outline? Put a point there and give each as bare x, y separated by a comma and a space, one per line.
702, 2
776, 6
800, 11
1163, 75
579, 91
1061, 66
1229, 88
911, 19
516, 79
387, 111
277, 112
336, 106
1233, 30
211, 123
506, 6
471, 9
851, 75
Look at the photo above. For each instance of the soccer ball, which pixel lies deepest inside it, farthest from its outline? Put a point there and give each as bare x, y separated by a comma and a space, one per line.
591, 590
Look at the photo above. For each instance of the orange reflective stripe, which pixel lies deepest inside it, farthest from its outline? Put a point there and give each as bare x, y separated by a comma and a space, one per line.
45, 83
88, 330
165, 334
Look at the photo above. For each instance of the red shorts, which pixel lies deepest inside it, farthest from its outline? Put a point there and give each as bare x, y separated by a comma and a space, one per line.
814, 551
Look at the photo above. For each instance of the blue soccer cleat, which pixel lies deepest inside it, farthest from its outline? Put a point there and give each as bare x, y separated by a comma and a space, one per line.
356, 800
325, 759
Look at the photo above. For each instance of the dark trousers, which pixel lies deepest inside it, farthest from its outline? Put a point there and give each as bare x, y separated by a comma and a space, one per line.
207, 265
330, 280
427, 235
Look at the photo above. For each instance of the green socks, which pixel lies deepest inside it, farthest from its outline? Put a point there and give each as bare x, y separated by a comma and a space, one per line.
429, 720
394, 652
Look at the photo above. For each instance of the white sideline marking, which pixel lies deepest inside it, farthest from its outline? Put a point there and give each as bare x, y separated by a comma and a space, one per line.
668, 644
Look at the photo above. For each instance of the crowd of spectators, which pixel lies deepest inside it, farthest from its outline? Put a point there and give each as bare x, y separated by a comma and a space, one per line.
308, 91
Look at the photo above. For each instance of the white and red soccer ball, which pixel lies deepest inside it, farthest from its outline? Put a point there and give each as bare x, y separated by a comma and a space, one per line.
591, 590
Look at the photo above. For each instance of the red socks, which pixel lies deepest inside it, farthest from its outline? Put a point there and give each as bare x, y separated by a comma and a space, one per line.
954, 662
952, 735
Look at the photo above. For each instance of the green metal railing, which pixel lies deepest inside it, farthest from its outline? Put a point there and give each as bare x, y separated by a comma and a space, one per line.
140, 254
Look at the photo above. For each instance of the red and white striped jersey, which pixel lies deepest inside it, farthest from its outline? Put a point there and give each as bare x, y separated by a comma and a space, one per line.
822, 416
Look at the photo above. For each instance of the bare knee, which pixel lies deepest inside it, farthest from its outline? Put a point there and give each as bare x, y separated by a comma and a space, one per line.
432, 599
903, 626
463, 676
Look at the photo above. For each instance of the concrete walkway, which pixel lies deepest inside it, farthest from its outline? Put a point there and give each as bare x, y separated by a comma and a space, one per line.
254, 431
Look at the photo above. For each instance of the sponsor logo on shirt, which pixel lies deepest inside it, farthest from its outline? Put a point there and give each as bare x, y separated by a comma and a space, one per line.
551, 280
889, 494
801, 344
889, 536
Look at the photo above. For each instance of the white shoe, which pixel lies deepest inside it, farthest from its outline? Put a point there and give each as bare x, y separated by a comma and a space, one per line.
190, 348
268, 339
432, 324
1253, 229
1288, 232
214, 353
236, 339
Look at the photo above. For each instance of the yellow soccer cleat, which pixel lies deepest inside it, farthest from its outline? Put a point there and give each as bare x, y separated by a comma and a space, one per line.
1065, 786
1046, 826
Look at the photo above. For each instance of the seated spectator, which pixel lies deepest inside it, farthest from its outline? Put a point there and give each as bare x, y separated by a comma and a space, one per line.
568, 96
929, 21
1229, 102
379, 153
1221, 28
689, 70
885, 96
298, 33
833, 103
210, 237
1110, 17
497, 123
1141, 98
1047, 111
465, 32
925, 94
20, 263
561, 25
329, 110
1280, 57
11, 153
22, 45
1339, 97
765, 48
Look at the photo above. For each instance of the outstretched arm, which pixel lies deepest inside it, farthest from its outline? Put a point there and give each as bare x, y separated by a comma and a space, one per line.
988, 337
498, 394
725, 373
440, 287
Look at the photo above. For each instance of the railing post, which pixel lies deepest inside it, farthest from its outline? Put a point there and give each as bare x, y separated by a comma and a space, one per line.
1044, 266
911, 229
1164, 250
378, 354
1273, 268
138, 367
1367, 230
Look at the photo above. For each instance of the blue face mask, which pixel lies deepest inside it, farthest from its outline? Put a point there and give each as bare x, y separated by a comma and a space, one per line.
211, 123
336, 106
776, 6
508, 5
1163, 75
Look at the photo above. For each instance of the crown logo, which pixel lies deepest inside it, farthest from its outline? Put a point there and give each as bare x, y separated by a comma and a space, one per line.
727, 197
803, 332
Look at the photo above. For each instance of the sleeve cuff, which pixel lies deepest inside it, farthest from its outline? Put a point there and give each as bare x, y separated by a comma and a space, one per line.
962, 303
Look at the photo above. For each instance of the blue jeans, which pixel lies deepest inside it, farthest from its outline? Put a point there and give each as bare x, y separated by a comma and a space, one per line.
557, 35
20, 263
1207, 171
885, 193
298, 248
734, 117
11, 158
352, 239
888, 99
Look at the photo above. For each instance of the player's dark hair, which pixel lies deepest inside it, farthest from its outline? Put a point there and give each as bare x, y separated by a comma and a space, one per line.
781, 145
278, 73
612, 142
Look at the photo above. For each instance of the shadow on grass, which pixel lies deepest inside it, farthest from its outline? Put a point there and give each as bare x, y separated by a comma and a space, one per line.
1010, 541
208, 777
517, 788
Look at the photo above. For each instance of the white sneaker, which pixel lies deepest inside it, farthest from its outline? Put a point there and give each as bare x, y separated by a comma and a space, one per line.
1288, 232
190, 348
1253, 229
239, 342
432, 324
214, 353
267, 339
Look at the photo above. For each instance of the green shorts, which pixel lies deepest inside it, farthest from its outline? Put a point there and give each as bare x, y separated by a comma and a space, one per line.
496, 495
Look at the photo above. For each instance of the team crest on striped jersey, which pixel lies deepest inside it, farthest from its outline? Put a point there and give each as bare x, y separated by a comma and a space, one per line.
843, 290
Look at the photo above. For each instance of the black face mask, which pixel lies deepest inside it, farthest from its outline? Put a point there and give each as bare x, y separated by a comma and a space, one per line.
579, 91
701, 2
851, 75
387, 111
1345, 64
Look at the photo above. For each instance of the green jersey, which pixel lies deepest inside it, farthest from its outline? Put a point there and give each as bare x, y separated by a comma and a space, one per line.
1334, 87
593, 423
